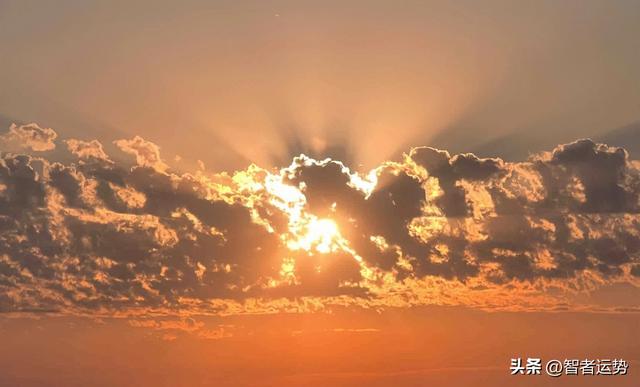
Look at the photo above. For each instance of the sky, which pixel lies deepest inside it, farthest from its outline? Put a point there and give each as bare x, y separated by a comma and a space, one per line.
498, 78
281, 193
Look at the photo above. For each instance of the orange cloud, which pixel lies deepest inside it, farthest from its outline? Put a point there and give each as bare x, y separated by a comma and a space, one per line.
29, 136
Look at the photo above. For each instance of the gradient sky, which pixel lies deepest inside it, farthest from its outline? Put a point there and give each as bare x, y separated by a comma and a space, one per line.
497, 77
139, 247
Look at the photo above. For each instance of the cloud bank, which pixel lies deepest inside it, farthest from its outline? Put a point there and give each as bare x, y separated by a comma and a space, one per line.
103, 237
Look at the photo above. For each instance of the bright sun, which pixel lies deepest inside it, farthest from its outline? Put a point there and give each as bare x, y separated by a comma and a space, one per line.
320, 235
323, 232
306, 231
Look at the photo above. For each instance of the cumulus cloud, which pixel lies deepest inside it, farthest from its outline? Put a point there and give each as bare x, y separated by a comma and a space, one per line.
147, 153
87, 150
29, 136
97, 237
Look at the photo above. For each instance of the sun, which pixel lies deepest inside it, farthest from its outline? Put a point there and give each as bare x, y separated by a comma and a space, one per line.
321, 235
306, 231
324, 232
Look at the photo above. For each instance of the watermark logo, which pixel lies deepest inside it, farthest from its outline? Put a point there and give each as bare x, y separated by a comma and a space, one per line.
556, 368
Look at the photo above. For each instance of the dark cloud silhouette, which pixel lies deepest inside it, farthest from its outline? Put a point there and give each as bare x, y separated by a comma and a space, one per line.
95, 235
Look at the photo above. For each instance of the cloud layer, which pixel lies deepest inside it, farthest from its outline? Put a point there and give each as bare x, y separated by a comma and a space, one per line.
96, 236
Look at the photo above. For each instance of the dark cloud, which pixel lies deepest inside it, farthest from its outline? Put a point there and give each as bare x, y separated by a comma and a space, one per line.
98, 236
601, 170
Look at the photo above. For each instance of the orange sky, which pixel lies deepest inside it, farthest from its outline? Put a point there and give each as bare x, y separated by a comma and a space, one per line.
283, 193
422, 346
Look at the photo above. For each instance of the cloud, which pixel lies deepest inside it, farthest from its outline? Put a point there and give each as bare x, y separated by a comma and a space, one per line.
29, 136
101, 238
172, 329
87, 150
147, 153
